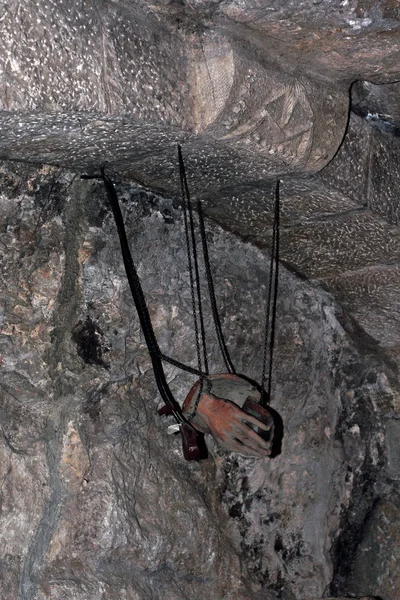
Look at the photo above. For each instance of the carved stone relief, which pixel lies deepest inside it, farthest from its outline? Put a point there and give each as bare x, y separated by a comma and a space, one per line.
216, 75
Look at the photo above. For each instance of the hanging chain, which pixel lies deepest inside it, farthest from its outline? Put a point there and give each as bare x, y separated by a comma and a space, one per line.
194, 275
133, 278
140, 303
182, 366
272, 296
211, 291
275, 296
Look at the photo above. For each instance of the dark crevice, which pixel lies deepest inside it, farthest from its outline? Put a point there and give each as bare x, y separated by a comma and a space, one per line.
87, 336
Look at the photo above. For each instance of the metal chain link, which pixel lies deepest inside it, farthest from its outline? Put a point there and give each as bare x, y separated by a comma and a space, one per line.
211, 291
272, 295
191, 247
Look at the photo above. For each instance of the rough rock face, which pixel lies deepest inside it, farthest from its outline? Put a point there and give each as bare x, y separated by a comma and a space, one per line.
97, 501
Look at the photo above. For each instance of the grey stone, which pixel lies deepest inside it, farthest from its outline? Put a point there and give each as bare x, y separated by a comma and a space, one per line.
393, 448
96, 501
376, 568
122, 83
367, 166
115, 509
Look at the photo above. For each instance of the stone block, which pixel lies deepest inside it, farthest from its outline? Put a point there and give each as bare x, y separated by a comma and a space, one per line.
347, 243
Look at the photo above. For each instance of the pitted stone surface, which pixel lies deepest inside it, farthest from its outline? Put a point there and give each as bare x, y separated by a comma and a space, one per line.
69, 56
393, 448
328, 237
373, 295
104, 82
367, 166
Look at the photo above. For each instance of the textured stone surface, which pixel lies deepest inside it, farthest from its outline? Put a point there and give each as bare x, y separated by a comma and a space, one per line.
263, 86
99, 500
366, 169
393, 448
376, 570
95, 500
368, 165
333, 39
69, 56
328, 237
378, 102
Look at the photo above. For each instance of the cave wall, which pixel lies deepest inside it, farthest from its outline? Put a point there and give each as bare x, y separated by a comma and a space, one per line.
97, 501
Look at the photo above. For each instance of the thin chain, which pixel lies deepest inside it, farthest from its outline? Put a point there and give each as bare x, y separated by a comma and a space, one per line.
275, 297
191, 247
137, 292
192, 292
211, 290
201, 390
268, 309
272, 296
193, 265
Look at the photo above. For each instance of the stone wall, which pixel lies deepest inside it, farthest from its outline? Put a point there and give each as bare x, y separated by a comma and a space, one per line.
97, 501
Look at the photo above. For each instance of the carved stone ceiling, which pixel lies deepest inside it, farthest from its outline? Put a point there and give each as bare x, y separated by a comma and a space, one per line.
253, 90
